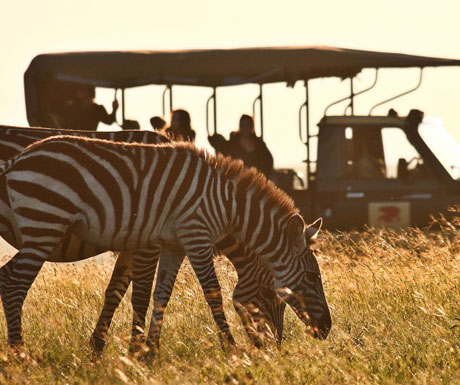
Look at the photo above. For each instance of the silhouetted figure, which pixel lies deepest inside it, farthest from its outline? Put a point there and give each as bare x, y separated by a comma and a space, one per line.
130, 124
82, 113
180, 128
245, 145
369, 166
157, 122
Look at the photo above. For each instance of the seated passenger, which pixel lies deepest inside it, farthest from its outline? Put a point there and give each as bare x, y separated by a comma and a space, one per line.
180, 128
157, 122
130, 124
82, 112
245, 145
369, 166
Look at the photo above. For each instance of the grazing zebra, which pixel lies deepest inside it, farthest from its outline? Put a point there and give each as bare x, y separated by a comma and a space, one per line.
130, 197
254, 296
14, 140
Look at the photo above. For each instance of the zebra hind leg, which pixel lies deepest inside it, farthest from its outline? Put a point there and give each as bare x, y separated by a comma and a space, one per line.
5, 272
119, 283
203, 264
28, 262
144, 266
168, 268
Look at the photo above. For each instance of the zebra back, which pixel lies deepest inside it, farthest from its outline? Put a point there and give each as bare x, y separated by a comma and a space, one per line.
14, 140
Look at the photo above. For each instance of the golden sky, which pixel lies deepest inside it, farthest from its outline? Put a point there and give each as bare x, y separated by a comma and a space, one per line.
416, 27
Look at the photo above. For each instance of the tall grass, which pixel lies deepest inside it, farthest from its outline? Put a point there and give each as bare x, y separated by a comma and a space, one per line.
394, 298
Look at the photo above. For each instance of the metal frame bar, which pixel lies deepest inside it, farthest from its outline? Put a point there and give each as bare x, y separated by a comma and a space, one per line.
115, 97
167, 88
351, 105
353, 95
307, 133
261, 110
122, 107
306, 104
213, 98
401, 94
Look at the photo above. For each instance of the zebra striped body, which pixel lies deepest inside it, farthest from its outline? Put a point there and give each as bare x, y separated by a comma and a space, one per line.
14, 140
132, 197
254, 296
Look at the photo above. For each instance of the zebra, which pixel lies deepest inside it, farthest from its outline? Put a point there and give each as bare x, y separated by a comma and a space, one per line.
254, 297
14, 139
129, 197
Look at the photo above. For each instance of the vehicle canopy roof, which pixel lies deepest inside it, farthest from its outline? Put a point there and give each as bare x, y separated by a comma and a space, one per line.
207, 67
218, 67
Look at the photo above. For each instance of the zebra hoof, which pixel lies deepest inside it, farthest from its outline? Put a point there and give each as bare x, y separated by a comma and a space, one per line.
227, 342
147, 356
18, 351
97, 344
137, 347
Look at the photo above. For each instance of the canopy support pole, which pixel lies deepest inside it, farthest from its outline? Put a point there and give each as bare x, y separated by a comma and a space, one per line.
261, 110
352, 95
215, 109
213, 98
307, 132
309, 175
401, 94
167, 88
122, 107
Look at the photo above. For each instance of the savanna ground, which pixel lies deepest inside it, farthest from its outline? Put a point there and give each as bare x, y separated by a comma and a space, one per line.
394, 298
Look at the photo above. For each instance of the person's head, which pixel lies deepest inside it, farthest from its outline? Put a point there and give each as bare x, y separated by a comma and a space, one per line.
180, 120
130, 124
85, 94
246, 125
157, 123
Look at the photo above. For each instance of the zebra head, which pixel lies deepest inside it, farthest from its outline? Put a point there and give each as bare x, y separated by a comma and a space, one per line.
272, 311
262, 313
305, 293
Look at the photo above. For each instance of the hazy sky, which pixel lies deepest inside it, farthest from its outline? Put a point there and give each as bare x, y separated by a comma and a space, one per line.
416, 27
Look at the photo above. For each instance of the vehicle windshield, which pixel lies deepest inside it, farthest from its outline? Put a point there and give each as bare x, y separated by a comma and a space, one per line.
442, 144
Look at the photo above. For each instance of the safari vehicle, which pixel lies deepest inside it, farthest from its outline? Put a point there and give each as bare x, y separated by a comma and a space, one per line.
350, 180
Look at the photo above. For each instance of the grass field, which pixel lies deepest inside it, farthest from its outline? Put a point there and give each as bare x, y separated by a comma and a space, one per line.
394, 298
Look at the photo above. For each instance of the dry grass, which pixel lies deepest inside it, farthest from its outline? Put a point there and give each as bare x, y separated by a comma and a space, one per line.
394, 299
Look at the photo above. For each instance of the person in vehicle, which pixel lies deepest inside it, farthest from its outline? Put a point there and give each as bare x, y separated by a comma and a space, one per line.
365, 157
245, 145
369, 166
83, 113
181, 128
157, 122
130, 124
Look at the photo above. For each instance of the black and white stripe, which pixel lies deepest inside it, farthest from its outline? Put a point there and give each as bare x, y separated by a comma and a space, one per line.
131, 197
255, 303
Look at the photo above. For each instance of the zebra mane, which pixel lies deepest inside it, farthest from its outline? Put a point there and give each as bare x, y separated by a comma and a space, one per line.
247, 178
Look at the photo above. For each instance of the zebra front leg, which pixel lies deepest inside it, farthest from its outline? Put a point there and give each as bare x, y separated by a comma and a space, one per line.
144, 266
17, 281
169, 266
203, 265
119, 283
250, 318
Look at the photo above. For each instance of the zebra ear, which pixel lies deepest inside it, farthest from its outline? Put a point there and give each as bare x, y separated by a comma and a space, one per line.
295, 228
311, 232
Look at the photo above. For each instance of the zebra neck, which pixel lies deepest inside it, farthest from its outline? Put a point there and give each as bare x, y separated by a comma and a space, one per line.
260, 222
